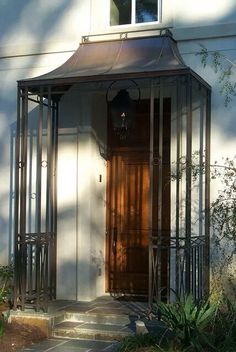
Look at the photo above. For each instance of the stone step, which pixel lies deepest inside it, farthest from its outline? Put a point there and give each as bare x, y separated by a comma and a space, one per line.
101, 316
93, 331
103, 320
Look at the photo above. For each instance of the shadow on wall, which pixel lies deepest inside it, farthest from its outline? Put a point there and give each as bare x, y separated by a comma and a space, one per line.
21, 22
90, 274
34, 19
68, 211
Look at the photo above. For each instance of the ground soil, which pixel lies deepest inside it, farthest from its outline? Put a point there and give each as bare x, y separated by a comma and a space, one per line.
17, 336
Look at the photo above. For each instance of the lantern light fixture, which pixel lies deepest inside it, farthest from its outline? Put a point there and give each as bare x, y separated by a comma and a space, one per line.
122, 109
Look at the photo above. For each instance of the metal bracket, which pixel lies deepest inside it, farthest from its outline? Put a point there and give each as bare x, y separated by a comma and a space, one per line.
124, 35
156, 161
44, 163
85, 39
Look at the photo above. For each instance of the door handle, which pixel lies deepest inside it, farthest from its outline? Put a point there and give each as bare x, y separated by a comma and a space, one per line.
114, 239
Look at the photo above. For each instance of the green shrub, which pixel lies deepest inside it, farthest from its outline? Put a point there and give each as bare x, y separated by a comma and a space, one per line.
6, 275
131, 343
189, 322
1, 327
223, 327
190, 327
3, 319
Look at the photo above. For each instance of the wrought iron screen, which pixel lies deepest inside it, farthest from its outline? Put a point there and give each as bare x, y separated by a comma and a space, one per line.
179, 197
35, 200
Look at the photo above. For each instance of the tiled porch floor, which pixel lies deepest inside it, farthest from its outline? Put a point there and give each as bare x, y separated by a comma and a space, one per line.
102, 304
59, 345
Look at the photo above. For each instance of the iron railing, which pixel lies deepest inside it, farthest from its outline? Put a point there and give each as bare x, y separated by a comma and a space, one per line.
184, 269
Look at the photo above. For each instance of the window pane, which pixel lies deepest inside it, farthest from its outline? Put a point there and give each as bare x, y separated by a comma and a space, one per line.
146, 11
120, 12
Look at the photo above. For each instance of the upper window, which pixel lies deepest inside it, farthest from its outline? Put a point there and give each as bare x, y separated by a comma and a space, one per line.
133, 11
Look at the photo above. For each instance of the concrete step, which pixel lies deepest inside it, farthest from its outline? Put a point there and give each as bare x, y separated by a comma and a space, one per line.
101, 315
93, 331
100, 318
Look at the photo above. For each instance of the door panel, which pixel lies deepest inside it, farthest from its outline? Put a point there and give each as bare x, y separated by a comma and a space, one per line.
129, 177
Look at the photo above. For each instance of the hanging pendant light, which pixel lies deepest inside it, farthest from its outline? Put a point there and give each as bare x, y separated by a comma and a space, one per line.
122, 109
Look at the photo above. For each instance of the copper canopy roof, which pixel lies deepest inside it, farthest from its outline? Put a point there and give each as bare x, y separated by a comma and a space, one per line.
117, 59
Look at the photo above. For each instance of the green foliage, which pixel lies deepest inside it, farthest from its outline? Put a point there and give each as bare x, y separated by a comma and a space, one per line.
6, 275
223, 221
223, 209
188, 321
224, 69
131, 343
222, 218
1, 327
196, 167
135, 342
3, 319
224, 326
190, 327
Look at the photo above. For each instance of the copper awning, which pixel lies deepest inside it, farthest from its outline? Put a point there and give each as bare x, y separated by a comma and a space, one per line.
117, 59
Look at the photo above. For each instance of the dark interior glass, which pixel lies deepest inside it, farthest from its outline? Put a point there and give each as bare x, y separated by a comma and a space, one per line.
120, 12
146, 11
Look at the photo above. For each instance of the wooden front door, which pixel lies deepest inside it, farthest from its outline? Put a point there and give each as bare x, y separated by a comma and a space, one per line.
128, 203
128, 208
128, 234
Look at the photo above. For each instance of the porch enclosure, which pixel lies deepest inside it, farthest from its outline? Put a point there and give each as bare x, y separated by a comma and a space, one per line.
172, 208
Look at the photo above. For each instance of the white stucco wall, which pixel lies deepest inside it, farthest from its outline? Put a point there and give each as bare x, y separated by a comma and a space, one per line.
223, 128
35, 37
81, 196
